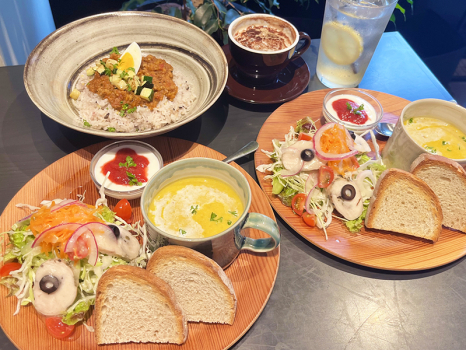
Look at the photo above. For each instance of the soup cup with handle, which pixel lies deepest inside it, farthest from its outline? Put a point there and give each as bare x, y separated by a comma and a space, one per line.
225, 246
401, 149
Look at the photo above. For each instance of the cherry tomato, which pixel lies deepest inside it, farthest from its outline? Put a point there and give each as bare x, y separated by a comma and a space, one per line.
8, 267
81, 250
304, 137
309, 219
123, 210
297, 203
57, 328
325, 177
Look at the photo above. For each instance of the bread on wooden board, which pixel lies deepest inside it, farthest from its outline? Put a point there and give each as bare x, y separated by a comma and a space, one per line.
201, 286
404, 203
448, 181
133, 305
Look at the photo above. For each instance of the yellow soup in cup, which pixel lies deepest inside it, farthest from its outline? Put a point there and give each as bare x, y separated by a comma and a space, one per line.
437, 136
195, 207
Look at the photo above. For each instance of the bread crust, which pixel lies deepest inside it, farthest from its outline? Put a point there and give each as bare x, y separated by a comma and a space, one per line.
427, 159
393, 175
208, 265
138, 275
449, 166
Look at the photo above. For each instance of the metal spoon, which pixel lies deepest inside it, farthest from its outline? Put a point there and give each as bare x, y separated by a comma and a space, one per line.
385, 129
249, 148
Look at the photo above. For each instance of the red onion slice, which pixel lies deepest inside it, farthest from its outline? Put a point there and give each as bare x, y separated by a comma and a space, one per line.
66, 203
68, 226
308, 200
312, 176
330, 156
90, 241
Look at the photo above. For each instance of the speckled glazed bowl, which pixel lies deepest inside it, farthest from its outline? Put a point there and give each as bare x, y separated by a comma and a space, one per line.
53, 66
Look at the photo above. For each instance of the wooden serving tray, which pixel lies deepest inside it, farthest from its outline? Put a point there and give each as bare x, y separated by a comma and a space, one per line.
252, 274
373, 248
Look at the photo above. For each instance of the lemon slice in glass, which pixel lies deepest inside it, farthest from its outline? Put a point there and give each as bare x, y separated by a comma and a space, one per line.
341, 43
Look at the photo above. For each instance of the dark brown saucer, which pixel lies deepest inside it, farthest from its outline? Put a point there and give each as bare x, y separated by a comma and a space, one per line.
289, 84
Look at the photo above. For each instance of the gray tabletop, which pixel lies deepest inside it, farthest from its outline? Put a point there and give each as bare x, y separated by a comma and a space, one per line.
319, 301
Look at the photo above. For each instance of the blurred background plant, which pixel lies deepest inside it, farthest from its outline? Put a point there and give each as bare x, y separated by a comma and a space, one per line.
214, 16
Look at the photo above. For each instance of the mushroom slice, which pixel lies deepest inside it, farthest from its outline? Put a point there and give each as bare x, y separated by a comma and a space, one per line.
54, 287
115, 240
346, 197
291, 157
127, 242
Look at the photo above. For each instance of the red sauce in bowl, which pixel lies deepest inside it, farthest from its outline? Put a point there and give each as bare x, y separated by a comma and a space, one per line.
341, 107
118, 173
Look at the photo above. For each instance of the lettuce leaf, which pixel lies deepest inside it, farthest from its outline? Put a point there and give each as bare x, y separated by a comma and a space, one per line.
78, 312
356, 225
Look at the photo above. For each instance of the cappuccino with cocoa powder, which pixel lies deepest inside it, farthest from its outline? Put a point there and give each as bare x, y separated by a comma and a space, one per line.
264, 34
263, 38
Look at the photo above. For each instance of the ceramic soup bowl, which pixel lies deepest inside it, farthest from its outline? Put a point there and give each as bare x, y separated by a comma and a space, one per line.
401, 149
225, 246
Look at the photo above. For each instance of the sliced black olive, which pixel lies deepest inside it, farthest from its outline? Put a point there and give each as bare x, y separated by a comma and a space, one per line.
49, 284
307, 155
353, 135
116, 230
348, 192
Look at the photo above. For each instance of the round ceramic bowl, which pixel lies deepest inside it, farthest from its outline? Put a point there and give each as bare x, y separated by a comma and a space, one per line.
109, 153
53, 67
364, 97
225, 246
401, 150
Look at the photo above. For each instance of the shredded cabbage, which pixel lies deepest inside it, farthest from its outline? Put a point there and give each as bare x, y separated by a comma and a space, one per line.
20, 283
320, 203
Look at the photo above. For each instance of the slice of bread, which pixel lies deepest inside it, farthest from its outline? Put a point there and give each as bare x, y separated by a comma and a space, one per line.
448, 180
201, 286
404, 203
133, 305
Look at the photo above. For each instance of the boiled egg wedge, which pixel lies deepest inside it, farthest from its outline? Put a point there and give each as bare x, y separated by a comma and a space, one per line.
131, 58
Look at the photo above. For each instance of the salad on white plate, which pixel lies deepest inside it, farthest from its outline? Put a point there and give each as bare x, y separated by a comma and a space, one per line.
320, 172
57, 254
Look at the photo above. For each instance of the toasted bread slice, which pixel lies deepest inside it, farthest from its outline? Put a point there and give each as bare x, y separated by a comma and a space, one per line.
201, 286
404, 203
133, 305
448, 181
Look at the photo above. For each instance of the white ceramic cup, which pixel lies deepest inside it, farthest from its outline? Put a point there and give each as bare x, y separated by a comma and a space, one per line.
401, 150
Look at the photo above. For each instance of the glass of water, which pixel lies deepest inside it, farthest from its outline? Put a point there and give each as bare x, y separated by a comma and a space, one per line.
350, 33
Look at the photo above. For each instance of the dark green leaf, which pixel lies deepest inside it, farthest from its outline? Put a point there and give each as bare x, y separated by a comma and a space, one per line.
130, 5
231, 16
211, 26
174, 12
202, 15
222, 9
189, 4
158, 9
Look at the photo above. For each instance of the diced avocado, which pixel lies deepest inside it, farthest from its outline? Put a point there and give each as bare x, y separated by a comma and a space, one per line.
75, 94
147, 78
122, 85
115, 79
277, 187
90, 72
100, 69
147, 94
